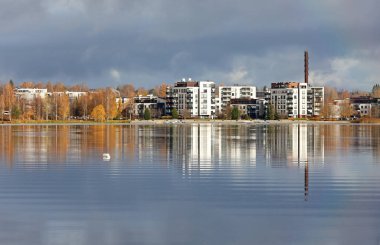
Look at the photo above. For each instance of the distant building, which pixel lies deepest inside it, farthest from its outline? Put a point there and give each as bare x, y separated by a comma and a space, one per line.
74, 94
30, 93
363, 105
192, 98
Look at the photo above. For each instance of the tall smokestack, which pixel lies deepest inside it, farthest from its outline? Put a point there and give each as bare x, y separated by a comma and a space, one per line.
306, 66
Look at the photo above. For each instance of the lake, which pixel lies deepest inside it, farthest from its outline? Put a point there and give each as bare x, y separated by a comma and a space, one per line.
190, 184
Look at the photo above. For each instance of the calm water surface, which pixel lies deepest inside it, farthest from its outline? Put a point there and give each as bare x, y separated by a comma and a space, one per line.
190, 184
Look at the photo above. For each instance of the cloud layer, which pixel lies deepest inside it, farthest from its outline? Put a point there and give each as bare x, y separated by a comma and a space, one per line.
146, 42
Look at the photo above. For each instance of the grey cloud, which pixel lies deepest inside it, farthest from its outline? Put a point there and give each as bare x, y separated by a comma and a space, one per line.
147, 42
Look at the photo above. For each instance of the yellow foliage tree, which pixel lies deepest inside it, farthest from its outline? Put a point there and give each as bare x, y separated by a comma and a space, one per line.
109, 103
98, 113
63, 106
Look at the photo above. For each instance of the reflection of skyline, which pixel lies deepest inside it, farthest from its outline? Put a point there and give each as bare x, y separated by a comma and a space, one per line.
197, 147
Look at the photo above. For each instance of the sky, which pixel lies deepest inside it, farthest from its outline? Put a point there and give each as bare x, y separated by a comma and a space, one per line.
147, 42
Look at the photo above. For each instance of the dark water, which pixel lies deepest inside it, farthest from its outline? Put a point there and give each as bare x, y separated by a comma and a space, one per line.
190, 184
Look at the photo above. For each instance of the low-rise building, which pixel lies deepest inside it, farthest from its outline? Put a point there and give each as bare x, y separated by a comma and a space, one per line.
363, 105
253, 108
155, 104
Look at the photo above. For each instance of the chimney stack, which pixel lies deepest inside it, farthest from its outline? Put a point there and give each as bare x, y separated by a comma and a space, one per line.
306, 66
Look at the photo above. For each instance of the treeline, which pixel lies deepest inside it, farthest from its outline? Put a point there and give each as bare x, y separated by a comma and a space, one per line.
344, 108
99, 104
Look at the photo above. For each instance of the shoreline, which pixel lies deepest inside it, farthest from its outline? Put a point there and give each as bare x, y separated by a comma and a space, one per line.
186, 122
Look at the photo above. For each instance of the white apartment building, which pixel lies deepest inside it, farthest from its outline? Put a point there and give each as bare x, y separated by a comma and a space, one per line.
297, 100
315, 100
192, 98
226, 93
30, 93
290, 99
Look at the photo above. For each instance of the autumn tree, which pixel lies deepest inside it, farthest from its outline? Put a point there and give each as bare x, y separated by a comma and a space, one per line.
9, 98
79, 88
39, 85
127, 90
330, 94
28, 84
128, 108
376, 91
375, 111
37, 108
59, 87
345, 109
47, 107
63, 104
109, 103
98, 113
142, 92
50, 87
2, 106
327, 110
82, 105
228, 112
160, 90
344, 94
186, 113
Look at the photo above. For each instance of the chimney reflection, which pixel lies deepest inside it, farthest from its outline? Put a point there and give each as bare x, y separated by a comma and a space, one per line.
307, 143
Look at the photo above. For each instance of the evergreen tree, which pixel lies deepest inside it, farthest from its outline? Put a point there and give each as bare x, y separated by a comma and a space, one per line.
235, 113
147, 115
270, 112
276, 115
174, 113
16, 112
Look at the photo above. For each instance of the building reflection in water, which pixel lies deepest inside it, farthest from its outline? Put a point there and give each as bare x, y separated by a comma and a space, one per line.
191, 149
201, 146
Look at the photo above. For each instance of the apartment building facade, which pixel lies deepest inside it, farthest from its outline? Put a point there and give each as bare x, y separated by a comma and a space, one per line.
315, 97
289, 99
192, 98
296, 100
